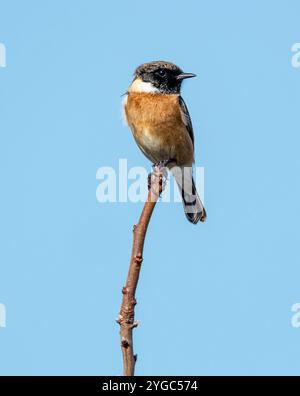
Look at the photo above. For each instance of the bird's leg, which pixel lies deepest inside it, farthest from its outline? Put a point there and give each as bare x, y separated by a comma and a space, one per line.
160, 171
156, 182
162, 166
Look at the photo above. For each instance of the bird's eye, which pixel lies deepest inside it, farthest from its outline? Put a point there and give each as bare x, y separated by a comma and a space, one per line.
162, 72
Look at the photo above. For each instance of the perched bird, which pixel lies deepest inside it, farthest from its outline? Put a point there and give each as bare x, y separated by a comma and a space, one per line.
162, 127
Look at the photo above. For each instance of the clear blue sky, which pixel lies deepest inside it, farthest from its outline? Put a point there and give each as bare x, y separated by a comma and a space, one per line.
212, 299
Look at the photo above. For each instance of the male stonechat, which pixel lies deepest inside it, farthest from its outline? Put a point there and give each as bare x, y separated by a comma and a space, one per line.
162, 128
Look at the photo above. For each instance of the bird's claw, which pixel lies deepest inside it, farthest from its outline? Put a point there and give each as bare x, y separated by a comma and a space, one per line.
159, 171
162, 165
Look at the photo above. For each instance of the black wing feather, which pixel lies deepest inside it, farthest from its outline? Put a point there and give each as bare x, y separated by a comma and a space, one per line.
186, 118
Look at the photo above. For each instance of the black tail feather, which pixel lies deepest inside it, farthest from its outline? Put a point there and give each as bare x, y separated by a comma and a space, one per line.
193, 207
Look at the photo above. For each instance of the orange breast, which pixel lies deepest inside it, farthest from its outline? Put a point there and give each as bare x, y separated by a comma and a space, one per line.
158, 128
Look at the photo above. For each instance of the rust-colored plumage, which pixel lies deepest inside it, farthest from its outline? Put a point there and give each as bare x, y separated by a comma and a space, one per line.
157, 124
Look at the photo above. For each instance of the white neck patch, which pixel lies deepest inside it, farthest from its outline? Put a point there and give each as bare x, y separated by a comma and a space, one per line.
140, 86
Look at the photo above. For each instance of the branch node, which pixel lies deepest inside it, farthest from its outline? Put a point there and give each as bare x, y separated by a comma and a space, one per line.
138, 259
125, 344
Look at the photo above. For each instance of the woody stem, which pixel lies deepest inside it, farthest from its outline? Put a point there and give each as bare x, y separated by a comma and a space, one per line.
126, 316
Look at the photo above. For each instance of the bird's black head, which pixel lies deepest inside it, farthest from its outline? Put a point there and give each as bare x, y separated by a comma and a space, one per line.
160, 76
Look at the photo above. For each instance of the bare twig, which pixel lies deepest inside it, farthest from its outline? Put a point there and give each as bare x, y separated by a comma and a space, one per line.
126, 316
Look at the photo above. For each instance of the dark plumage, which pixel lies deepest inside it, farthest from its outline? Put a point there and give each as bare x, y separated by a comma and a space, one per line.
163, 75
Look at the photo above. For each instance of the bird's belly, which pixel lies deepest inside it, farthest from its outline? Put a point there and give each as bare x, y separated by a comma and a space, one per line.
156, 147
164, 142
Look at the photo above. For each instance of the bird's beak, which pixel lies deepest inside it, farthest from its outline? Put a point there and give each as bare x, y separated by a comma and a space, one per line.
182, 76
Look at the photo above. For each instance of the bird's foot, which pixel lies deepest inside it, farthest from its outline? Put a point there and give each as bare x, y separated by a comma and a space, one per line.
158, 177
161, 167
162, 164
